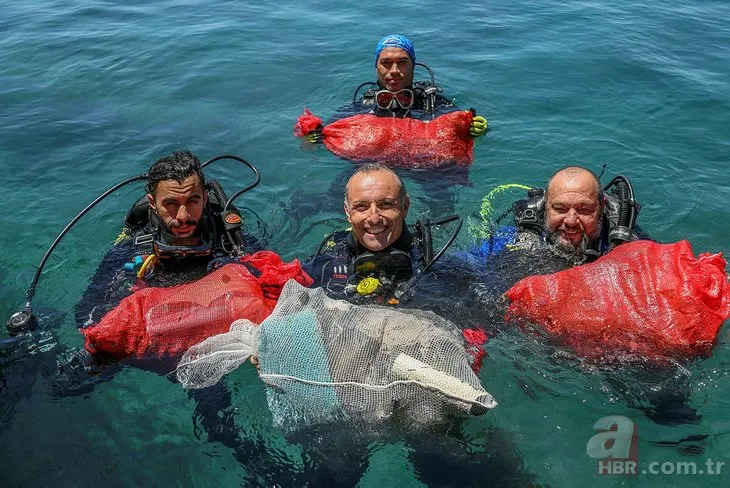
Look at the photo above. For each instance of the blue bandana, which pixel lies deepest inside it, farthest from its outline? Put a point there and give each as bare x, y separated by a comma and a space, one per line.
396, 40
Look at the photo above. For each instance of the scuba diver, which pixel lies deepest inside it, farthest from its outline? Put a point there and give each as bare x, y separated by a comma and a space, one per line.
184, 227
181, 229
381, 261
574, 221
373, 261
576, 217
395, 94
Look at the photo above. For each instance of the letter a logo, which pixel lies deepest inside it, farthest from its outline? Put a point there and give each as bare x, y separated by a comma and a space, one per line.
613, 440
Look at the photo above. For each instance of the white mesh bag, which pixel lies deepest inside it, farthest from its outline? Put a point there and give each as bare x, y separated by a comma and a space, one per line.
326, 359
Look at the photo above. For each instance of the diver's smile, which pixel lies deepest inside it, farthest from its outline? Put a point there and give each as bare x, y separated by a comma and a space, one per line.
377, 230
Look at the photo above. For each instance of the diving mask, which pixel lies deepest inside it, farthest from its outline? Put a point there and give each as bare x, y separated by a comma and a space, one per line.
163, 250
403, 98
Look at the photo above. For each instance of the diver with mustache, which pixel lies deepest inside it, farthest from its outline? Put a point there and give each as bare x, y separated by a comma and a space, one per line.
172, 235
577, 218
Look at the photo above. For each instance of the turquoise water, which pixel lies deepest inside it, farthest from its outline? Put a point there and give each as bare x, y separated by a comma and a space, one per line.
93, 92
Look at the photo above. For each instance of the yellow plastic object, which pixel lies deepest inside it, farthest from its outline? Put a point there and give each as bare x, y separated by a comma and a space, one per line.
150, 261
368, 286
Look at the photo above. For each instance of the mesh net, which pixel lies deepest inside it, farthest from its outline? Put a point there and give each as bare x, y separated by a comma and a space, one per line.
406, 142
642, 299
325, 360
161, 322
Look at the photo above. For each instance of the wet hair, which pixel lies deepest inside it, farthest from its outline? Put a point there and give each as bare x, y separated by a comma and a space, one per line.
177, 166
372, 167
574, 171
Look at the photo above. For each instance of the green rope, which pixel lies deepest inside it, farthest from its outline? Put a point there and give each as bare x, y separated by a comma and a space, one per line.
483, 229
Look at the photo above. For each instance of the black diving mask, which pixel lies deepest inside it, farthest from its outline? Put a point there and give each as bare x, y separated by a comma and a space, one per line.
163, 250
162, 244
393, 263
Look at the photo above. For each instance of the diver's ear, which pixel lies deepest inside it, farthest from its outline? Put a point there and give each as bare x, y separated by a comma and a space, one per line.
151, 201
406, 205
205, 197
346, 209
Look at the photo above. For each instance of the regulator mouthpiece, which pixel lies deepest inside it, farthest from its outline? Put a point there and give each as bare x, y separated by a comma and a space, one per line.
22, 321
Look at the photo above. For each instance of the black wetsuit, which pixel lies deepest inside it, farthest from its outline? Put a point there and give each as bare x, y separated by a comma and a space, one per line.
338, 453
449, 288
214, 415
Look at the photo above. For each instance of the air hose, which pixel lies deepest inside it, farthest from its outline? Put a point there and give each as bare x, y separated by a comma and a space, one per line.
24, 320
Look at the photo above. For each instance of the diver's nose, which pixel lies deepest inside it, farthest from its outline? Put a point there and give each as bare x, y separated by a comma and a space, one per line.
182, 214
572, 218
374, 216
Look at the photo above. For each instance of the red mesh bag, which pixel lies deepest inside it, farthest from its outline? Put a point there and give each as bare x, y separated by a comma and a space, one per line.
405, 142
162, 322
652, 300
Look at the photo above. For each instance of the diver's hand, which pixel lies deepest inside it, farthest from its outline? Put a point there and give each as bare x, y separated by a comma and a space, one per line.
478, 126
315, 137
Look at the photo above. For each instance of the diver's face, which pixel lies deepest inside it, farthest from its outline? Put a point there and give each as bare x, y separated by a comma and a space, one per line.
179, 205
395, 69
376, 209
573, 210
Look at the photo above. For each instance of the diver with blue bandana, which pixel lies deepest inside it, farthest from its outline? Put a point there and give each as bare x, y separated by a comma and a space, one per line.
372, 261
396, 94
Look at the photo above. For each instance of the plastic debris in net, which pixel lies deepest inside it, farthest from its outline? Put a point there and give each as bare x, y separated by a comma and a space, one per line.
159, 322
328, 360
404, 142
643, 299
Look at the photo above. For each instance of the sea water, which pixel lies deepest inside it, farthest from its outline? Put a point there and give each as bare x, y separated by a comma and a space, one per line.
93, 92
